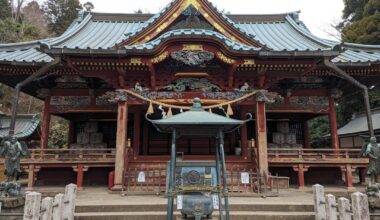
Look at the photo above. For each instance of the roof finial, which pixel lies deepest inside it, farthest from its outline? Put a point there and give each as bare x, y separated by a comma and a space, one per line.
197, 105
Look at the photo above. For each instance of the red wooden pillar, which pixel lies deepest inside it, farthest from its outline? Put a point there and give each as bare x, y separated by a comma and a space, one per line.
243, 133
121, 143
31, 177
333, 124
300, 169
306, 134
145, 137
348, 175
136, 134
80, 175
45, 124
261, 137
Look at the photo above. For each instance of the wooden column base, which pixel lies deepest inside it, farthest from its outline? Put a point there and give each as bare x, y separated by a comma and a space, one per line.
117, 188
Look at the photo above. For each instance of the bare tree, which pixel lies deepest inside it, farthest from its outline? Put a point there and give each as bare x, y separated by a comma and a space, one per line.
33, 14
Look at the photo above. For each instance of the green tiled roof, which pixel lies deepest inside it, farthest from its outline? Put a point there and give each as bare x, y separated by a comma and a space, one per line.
281, 32
25, 125
193, 33
197, 119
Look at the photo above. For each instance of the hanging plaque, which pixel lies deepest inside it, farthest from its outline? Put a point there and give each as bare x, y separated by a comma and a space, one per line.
141, 177
215, 201
179, 202
244, 177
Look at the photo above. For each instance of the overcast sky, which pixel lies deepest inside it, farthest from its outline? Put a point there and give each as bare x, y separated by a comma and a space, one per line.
317, 15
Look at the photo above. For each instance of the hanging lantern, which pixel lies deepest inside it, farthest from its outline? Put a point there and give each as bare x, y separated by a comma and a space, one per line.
229, 110
150, 108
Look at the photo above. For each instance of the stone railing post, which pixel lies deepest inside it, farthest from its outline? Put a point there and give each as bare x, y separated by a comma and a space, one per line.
331, 213
344, 209
47, 208
360, 206
58, 207
69, 202
32, 206
319, 202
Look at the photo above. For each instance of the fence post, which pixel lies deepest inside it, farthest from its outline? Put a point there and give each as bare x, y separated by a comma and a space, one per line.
58, 207
47, 208
331, 213
360, 206
319, 202
32, 206
69, 202
344, 209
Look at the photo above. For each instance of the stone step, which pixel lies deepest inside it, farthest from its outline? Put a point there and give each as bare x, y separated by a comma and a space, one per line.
162, 207
152, 215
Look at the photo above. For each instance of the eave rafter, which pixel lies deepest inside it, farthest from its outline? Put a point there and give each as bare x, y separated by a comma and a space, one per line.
171, 14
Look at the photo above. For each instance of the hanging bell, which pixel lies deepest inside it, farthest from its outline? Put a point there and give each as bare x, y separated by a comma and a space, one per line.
229, 110
150, 108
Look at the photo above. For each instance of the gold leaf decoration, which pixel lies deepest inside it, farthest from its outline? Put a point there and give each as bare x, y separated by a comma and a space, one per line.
225, 59
160, 57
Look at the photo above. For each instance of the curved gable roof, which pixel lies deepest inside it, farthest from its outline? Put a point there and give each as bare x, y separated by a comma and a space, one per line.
278, 32
160, 21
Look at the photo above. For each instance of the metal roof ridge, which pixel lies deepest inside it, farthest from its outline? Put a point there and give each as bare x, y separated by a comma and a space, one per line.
20, 45
36, 44
152, 14
309, 35
68, 34
147, 23
361, 47
189, 32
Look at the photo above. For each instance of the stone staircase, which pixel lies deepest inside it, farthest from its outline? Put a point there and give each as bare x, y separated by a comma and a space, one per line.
158, 212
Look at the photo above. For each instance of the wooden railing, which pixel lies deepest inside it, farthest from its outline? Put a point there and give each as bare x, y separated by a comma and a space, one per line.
154, 181
274, 154
313, 154
82, 154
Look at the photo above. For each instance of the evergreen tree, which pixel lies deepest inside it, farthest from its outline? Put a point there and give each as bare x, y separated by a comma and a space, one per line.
319, 129
5, 9
361, 21
60, 14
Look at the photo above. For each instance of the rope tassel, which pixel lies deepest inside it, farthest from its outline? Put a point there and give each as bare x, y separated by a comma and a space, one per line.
150, 108
170, 113
229, 110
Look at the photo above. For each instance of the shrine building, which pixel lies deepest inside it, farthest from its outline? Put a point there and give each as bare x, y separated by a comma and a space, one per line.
108, 70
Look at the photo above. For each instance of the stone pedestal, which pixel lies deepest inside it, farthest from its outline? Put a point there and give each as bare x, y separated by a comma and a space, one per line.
12, 205
374, 205
373, 194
